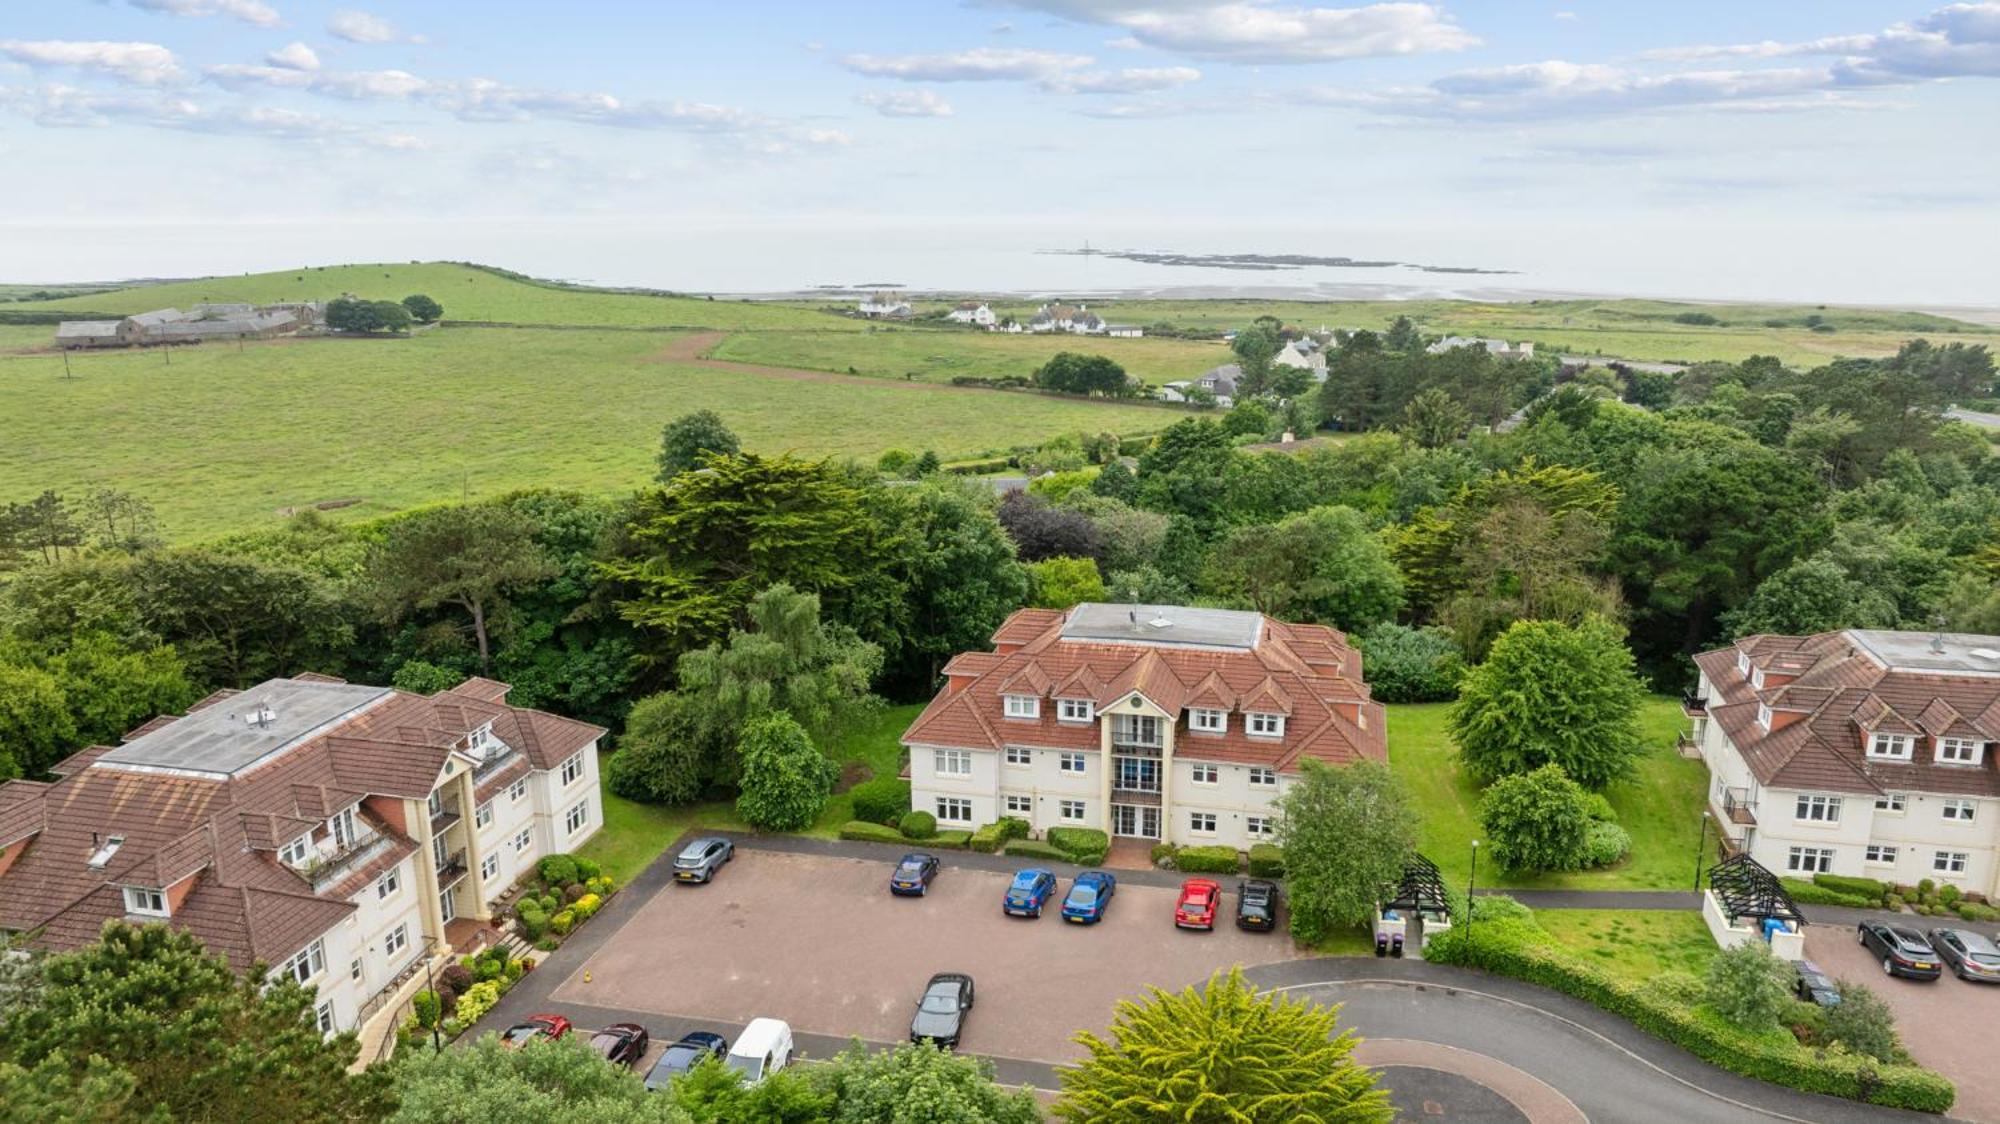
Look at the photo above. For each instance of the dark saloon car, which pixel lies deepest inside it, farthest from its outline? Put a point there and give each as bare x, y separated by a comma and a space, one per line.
1903, 950
1971, 955
699, 860
1089, 896
1814, 986
1029, 892
534, 1028
941, 1012
1257, 906
621, 1043
690, 1051
913, 874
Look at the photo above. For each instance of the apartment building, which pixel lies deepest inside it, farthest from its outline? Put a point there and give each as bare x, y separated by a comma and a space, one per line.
1860, 752
1165, 723
337, 832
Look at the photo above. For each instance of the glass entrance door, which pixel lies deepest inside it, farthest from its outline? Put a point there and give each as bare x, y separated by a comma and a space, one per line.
1136, 820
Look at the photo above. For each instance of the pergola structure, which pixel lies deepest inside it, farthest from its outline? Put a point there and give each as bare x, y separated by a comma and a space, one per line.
1744, 888
1421, 890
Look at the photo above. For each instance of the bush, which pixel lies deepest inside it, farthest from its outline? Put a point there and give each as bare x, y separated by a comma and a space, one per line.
572, 892
786, 779
951, 840
1863, 1023
1085, 846
918, 825
534, 924
1164, 855
585, 908
548, 944
1267, 860
1845, 884
1031, 849
1598, 807
1404, 664
882, 800
870, 832
428, 1008
1013, 827
1807, 893
1948, 894
455, 977
587, 869
1208, 860
557, 870
1973, 911
1605, 843
986, 839
1747, 985
477, 1000
1537, 821
562, 923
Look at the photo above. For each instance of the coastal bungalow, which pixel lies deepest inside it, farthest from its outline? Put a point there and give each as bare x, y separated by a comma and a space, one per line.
1500, 349
971, 312
1218, 381
1148, 722
884, 306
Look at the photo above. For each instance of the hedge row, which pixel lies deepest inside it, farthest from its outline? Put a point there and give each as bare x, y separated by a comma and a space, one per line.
1267, 860
869, 832
989, 838
882, 800
1035, 849
1809, 893
1084, 846
1207, 860
1844, 884
1515, 948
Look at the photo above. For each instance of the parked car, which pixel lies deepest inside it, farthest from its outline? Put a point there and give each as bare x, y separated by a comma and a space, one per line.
1972, 956
621, 1043
941, 1012
764, 1048
699, 860
913, 874
1196, 907
1903, 950
1089, 896
1031, 890
1814, 986
535, 1027
690, 1051
1257, 905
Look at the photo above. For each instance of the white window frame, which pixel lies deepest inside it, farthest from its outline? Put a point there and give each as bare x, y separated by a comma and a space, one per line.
1202, 823
1809, 860
1260, 725
1881, 854
1022, 706
1892, 803
396, 940
145, 901
1260, 825
1890, 747
343, 829
1074, 763
1205, 774
1263, 776
572, 769
390, 884
489, 867
1076, 710
1203, 720
1950, 862
518, 789
306, 964
1020, 755
1958, 810
294, 853
1812, 807
954, 809
323, 1017
1072, 811
1743, 662
1019, 805
482, 816
951, 762
1757, 678
1764, 716
524, 839
578, 817
354, 970
1960, 751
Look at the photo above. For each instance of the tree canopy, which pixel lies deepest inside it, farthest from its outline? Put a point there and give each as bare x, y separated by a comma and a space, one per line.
469, 556
1550, 693
547, 1081
786, 778
689, 438
1347, 831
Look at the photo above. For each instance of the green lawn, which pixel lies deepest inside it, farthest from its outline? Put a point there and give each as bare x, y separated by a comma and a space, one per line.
1661, 807
939, 354
220, 439
1635, 943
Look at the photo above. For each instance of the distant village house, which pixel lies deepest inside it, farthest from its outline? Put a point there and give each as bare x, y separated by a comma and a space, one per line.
972, 312
884, 306
1500, 349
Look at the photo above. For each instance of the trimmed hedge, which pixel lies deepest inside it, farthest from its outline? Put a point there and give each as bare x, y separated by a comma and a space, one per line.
1084, 846
918, 825
986, 839
949, 841
1514, 948
1267, 860
882, 800
1845, 884
869, 832
1163, 855
1033, 849
1807, 893
1208, 860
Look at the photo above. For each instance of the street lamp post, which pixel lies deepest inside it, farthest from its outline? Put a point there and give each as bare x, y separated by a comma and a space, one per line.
1700, 847
1471, 883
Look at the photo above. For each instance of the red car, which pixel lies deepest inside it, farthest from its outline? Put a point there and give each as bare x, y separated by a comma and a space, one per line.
1200, 897
536, 1027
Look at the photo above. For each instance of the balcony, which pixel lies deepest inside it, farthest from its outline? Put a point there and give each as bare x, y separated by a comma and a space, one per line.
1693, 705
1136, 733
452, 871
443, 816
329, 862
1738, 808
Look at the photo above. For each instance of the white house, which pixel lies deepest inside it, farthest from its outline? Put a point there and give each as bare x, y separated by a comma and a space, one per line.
1861, 752
1500, 349
1150, 722
1302, 355
1124, 331
884, 306
971, 312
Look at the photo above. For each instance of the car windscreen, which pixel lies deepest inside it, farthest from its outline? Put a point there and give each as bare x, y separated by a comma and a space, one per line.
1082, 895
522, 1033
910, 869
694, 853
750, 1068
942, 1001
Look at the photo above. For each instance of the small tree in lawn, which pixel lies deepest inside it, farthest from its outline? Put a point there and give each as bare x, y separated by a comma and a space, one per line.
1551, 693
1747, 985
786, 778
1347, 832
661, 757
690, 437
1222, 1053
423, 309
1536, 821
1863, 1023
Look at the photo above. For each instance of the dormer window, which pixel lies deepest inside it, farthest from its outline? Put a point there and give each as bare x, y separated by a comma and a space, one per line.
341, 827
295, 852
145, 901
1205, 721
1743, 663
1757, 678
1763, 716
1960, 751
1889, 747
1075, 710
1265, 725
1023, 706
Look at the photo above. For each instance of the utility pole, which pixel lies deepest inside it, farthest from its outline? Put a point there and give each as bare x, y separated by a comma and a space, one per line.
1471, 883
1700, 847
66, 374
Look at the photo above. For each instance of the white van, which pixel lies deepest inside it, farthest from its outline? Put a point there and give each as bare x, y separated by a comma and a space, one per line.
764, 1048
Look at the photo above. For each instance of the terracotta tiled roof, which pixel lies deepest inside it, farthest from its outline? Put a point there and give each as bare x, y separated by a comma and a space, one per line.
1311, 670
506, 775
483, 689
81, 759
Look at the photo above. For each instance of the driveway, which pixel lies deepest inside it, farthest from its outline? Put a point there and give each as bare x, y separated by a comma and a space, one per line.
1946, 1025
819, 942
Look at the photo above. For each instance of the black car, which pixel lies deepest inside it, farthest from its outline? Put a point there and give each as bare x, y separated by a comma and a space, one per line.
941, 1012
690, 1051
1903, 950
699, 860
1971, 955
913, 874
1814, 986
621, 1043
1257, 905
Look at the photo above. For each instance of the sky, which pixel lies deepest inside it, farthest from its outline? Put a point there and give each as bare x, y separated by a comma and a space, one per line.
1815, 151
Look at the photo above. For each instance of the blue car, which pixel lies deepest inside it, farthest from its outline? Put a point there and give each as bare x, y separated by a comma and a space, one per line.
1089, 896
1031, 890
913, 875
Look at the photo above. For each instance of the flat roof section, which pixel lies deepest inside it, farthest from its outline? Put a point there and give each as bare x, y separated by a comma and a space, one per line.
1949, 653
1164, 624
244, 730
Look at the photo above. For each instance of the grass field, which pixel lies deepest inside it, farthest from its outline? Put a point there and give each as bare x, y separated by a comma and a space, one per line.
220, 438
939, 355
1637, 944
1660, 807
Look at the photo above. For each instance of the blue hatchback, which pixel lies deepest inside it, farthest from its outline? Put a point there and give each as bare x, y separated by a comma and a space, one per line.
1031, 890
1089, 896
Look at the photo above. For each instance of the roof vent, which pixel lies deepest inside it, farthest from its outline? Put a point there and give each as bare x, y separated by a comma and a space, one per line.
262, 717
1160, 622
101, 857
1986, 653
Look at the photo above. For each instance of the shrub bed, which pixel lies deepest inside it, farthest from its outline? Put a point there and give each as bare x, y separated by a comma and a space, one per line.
918, 825
869, 832
1034, 849
882, 800
1267, 860
1208, 860
949, 841
1084, 846
1809, 893
987, 839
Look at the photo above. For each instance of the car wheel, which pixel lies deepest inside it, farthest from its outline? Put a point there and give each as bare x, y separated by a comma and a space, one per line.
1888, 966
1860, 936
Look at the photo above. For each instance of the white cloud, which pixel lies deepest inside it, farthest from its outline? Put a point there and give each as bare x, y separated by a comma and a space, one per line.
1129, 81
353, 85
1955, 41
980, 64
360, 27
249, 11
297, 56
60, 106
143, 64
907, 103
1565, 16
1254, 31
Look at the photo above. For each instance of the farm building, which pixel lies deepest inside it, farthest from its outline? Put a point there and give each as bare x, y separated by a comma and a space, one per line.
203, 322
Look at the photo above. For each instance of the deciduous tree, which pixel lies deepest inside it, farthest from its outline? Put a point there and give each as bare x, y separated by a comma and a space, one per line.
547, 1081
689, 438
918, 1082
423, 309
1536, 821
1550, 693
1324, 566
786, 778
1347, 833
1058, 583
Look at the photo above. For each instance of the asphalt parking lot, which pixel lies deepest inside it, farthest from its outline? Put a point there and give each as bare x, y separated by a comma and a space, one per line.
1946, 1025
819, 942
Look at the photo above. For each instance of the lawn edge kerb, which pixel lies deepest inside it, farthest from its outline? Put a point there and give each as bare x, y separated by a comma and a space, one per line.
1505, 948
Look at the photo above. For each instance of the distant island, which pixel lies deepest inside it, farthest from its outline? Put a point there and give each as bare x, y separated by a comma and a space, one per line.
1263, 261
